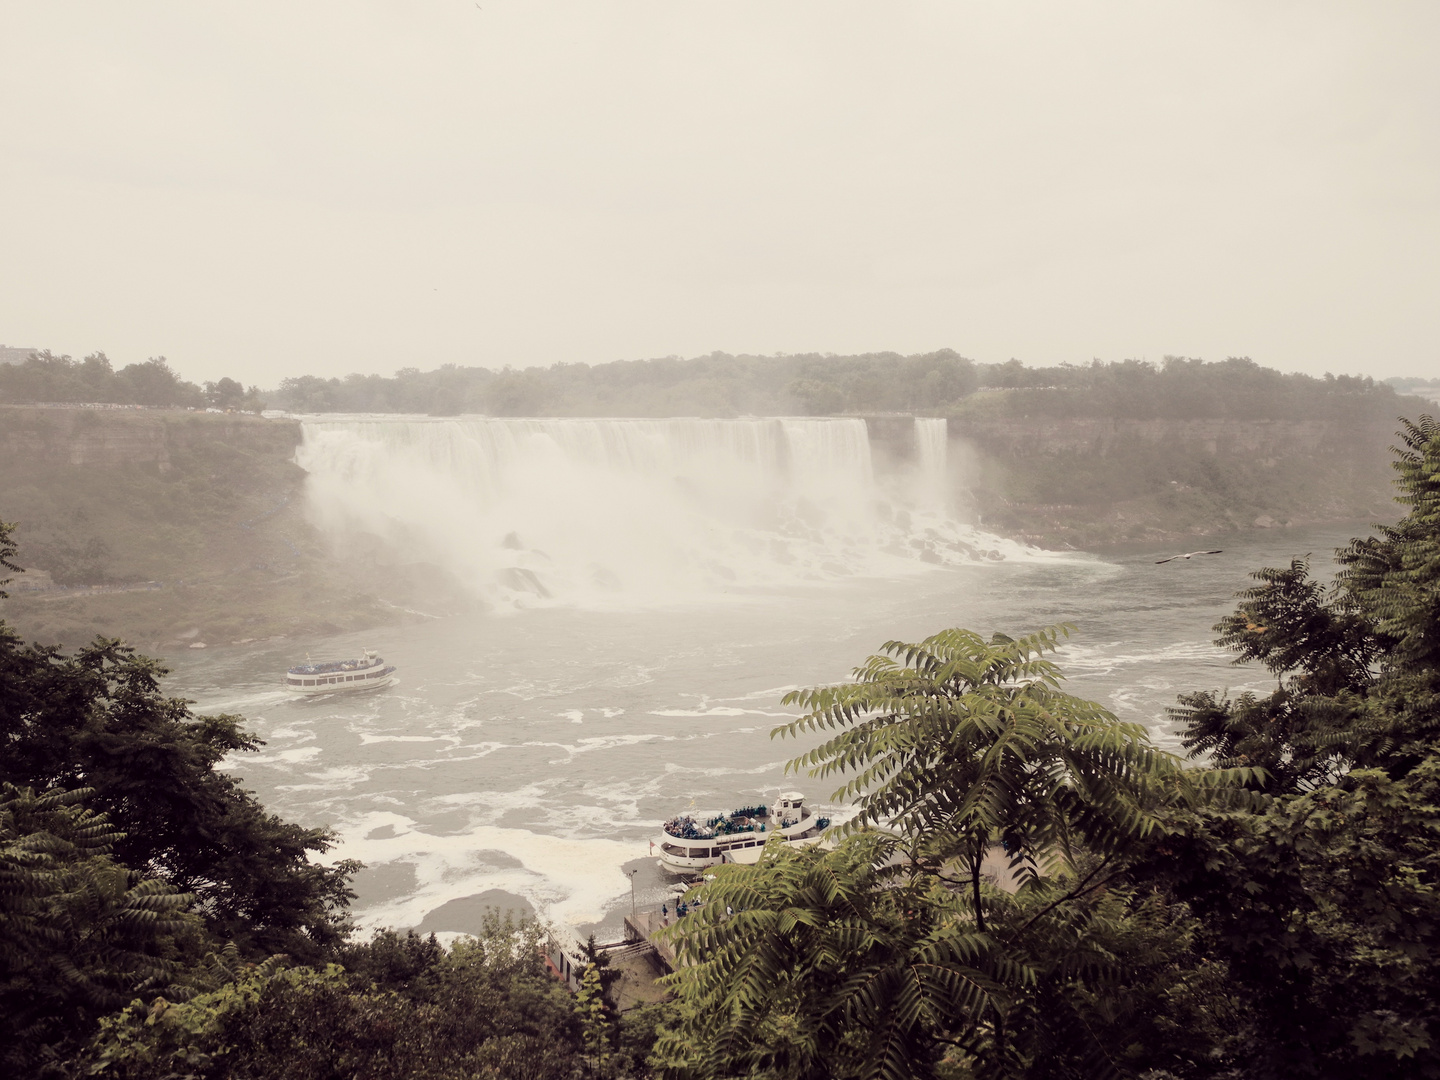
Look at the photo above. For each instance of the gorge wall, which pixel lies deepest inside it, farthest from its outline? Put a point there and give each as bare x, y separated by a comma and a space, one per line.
1088, 482
127, 438
166, 527
172, 527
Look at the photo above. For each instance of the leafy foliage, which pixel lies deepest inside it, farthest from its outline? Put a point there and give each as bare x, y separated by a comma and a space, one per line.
1323, 648
1395, 575
1293, 625
896, 954
1324, 904
481, 1009
50, 378
831, 965
8, 549
79, 933
97, 719
956, 742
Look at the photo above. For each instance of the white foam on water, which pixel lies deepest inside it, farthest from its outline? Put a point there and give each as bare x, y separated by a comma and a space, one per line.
340, 778
477, 750
1109, 658
776, 767
570, 881
774, 693
717, 710
604, 742
299, 755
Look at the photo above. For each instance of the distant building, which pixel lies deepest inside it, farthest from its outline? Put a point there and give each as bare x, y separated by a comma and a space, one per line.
14, 354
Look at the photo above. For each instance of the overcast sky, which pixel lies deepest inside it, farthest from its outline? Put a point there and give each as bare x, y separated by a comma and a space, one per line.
263, 189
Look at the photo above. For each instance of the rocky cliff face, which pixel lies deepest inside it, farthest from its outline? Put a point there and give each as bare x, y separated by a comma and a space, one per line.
167, 528
1102, 436
1087, 481
111, 438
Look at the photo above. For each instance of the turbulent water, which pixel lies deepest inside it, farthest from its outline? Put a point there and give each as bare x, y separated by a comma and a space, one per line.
531, 750
620, 512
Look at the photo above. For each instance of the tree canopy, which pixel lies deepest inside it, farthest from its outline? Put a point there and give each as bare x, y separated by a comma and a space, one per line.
1270, 910
45, 377
935, 383
97, 720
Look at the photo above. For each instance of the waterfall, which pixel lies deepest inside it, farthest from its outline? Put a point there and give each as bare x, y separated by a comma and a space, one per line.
580, 510
930, 456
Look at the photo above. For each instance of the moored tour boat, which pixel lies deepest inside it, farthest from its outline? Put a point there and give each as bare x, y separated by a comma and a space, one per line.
689, 844
369, 672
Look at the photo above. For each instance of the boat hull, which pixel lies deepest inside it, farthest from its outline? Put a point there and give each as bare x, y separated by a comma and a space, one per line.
347, 687
340, 681
689, 867
687, 847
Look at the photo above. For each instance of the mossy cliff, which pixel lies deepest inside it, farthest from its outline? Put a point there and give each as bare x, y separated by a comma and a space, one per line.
166, 527
1087, 482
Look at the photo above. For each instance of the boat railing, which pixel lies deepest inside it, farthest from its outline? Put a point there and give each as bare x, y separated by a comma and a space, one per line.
330, 667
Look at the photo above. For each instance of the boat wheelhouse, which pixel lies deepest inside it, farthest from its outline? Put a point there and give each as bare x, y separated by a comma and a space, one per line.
369, 672
689, 844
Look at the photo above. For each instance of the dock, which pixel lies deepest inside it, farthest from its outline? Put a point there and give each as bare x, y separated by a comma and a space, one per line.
643, 927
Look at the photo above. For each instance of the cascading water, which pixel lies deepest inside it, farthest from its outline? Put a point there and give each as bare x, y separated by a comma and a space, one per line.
931, 437
628, 511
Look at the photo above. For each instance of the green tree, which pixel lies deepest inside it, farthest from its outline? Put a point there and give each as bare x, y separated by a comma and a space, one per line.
80, 934
596, 1022
482, 1009
97, 719
958, 743
225, 394
893, 955
8, 548
1324, 901
831, 965
155, 383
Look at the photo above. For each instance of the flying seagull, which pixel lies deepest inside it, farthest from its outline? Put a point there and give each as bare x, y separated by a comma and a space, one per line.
1188, 555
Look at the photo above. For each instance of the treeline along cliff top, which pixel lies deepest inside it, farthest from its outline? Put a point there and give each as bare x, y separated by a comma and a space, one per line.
46, 378
941, 383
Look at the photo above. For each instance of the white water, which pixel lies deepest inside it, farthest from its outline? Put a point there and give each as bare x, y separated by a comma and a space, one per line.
534, 756
931, 438
618, 512
537, 754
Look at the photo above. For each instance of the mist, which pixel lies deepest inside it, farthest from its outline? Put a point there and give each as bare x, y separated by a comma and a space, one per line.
616, 513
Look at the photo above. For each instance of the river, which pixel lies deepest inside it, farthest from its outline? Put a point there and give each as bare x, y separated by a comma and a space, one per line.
530, 752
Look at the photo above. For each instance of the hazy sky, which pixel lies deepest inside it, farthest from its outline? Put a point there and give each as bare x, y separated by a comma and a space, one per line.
259, 189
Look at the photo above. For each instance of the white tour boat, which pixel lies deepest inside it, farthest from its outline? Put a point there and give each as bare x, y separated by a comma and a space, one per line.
367, 673
690, 842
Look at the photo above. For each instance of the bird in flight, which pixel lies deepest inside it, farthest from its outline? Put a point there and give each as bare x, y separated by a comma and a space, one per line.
1189, 555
